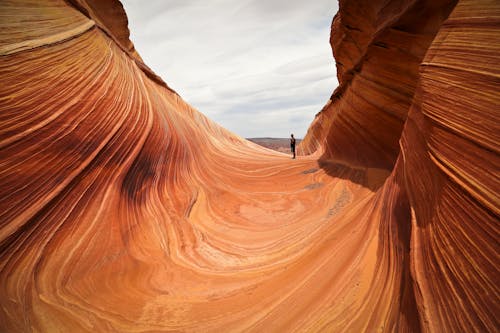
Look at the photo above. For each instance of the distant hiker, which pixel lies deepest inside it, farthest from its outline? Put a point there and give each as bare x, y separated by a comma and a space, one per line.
292, 145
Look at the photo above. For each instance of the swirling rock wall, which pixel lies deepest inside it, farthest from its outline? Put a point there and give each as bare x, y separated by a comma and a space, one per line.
124, 209
378, 47
451, 153
440, 79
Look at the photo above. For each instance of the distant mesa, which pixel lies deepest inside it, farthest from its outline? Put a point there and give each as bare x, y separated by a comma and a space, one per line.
278, 144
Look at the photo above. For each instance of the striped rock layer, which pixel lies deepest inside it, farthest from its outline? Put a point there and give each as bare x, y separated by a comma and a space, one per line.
123, 209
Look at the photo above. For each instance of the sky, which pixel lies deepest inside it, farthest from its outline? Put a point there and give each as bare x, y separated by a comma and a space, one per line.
260, 68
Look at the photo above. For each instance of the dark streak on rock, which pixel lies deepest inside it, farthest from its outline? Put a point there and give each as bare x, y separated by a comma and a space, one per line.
381, 44
313, 186
313, 170
349, 27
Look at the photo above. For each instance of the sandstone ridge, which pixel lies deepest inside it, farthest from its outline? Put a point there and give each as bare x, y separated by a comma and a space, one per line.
126, 210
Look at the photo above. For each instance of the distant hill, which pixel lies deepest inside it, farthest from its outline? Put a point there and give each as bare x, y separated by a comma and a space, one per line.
278, 144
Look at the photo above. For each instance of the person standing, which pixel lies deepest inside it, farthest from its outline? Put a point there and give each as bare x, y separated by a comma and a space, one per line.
292, 145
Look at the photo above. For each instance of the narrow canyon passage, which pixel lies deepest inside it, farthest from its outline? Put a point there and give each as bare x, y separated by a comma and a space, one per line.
229, 235
271, 243
298, 239
124, 209
282, 239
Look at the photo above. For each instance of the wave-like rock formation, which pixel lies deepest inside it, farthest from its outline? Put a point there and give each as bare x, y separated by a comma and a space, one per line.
124, 209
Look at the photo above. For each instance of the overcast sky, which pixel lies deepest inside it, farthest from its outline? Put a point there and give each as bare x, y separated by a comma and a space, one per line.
260, 68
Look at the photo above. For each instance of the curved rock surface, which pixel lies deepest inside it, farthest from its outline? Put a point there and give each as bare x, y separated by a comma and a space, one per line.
124, 209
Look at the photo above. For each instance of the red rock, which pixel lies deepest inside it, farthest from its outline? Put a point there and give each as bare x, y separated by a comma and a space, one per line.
124, 209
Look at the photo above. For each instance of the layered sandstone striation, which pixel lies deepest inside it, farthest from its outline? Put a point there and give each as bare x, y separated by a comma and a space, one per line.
124, 209
378, 47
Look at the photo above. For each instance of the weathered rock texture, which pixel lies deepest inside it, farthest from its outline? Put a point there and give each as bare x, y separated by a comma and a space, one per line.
124, 209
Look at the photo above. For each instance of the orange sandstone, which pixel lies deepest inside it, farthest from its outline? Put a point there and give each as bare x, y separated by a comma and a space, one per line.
124, 209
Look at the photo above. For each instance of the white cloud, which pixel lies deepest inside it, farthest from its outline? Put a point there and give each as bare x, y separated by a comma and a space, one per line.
257, 67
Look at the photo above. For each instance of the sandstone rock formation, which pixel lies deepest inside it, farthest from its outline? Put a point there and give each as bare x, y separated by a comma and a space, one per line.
124, 209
